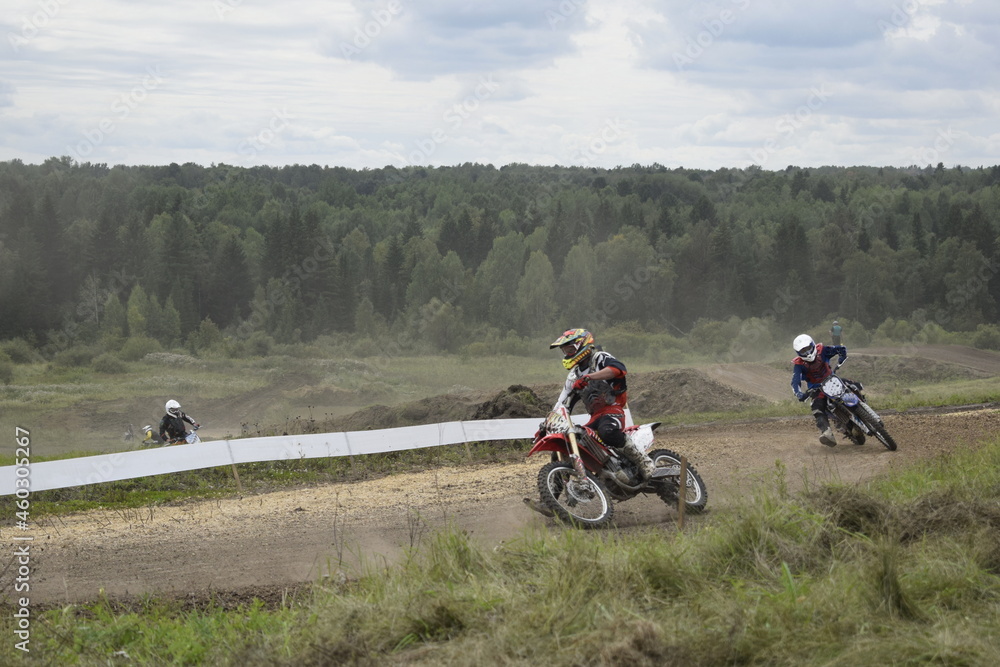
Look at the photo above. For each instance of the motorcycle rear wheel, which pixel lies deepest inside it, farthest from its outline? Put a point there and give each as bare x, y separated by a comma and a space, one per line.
696, 495
582, 503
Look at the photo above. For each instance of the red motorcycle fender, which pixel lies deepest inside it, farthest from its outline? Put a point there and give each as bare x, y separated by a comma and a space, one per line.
557, 443
551, 443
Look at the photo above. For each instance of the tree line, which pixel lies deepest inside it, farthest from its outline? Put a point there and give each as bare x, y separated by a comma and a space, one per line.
441, 257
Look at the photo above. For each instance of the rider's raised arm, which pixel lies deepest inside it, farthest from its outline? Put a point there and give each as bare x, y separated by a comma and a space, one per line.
831, 351
567, 389
797, 380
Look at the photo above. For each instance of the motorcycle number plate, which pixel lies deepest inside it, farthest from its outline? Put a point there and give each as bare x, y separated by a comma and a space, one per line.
833, 386
558, 422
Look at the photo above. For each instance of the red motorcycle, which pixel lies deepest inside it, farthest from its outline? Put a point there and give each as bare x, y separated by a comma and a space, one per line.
585, 476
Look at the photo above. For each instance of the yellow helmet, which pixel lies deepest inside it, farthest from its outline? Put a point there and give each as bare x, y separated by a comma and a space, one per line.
582, 346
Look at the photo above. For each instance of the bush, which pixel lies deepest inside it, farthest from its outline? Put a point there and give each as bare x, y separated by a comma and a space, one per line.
6, 369
933, 334
515, 346
475, 351
714, 338
366, 347
20, 351
895, 331
259, 344
137, 347
110, 364
74, 357
986, 337
206, 336
631, 343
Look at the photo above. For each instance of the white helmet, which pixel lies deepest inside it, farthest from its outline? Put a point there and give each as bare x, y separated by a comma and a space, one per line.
173, 408
805, 347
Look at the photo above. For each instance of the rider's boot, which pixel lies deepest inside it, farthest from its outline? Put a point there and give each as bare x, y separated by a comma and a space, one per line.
639, 458
826, 436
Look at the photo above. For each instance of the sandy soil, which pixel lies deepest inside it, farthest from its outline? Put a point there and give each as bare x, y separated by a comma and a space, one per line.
288, 537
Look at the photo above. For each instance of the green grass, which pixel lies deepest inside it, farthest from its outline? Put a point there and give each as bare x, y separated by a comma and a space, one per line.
901, 570
957, 392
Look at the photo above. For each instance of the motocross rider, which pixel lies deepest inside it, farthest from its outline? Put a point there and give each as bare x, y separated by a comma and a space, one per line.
586, 362
813, 366
172, 429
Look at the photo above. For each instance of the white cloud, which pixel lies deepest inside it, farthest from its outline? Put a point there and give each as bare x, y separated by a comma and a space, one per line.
369, 83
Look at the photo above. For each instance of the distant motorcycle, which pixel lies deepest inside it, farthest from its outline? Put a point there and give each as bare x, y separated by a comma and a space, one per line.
148, 435
191, 438
850, 413
579, 486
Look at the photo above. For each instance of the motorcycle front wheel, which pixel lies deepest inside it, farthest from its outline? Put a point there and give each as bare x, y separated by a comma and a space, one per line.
866, 415
695, 493
580, 502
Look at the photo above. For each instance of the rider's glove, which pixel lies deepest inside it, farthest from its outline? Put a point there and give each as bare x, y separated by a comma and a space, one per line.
799, 395
581, 383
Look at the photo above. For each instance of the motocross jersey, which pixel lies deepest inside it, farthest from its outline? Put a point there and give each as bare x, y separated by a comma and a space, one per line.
599, 360
172, 428
817, 370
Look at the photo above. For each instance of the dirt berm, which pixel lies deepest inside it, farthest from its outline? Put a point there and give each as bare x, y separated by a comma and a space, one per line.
650, 395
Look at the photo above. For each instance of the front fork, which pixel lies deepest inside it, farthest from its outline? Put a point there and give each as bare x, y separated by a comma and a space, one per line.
575, 456
853, 418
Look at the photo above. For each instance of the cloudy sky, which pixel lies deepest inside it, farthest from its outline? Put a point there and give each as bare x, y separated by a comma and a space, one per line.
357, 83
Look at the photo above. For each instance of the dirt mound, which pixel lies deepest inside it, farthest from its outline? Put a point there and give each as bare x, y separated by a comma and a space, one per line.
684, 390
650, 395
514, 402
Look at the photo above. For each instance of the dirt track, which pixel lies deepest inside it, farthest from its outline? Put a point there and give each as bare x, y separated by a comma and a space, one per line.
242, 545
257, 544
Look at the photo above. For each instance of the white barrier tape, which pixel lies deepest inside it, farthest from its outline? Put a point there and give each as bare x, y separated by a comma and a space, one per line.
65, 473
